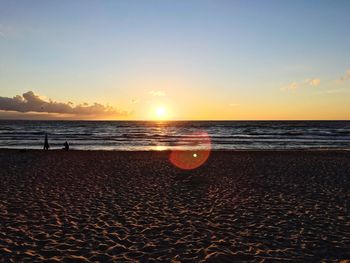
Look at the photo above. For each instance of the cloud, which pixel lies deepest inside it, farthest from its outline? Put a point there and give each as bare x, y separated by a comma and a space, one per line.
291, 86
30, 102
8, 31
157, 93
233, 104
346, 76
308, 82
134, 101
331, 91
313, 82
4, 31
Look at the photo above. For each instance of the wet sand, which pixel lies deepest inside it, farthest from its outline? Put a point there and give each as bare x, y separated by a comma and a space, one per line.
95, 206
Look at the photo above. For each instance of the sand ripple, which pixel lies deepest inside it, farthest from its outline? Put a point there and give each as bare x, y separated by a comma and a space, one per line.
129, 207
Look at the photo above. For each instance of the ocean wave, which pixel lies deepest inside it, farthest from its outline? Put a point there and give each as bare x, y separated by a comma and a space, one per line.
145, 135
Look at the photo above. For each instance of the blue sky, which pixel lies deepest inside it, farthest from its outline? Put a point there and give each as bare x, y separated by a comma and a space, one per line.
203, 55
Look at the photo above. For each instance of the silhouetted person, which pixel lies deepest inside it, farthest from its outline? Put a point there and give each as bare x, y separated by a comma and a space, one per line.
66, 146
46, 143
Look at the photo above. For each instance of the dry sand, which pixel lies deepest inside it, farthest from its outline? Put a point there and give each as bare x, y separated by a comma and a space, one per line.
82, 206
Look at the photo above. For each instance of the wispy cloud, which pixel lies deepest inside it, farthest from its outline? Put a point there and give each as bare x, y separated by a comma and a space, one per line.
157, 93
314, 82
4, 31
346, 76
9, 31
134, 101
333, 91
233, 104
291, 86
30, 102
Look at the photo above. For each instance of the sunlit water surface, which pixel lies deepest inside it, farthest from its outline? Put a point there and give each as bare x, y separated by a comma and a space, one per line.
132, 135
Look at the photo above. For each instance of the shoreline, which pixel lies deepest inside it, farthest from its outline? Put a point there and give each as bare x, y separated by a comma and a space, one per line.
187, 150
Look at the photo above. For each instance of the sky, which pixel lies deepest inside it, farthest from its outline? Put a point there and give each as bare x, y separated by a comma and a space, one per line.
175, 60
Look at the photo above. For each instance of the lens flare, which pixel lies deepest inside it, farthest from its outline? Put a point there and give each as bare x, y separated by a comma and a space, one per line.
191, 159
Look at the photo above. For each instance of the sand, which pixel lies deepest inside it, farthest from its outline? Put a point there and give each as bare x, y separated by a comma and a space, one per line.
95, 206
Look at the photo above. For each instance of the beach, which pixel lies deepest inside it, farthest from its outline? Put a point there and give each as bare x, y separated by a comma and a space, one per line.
120, 206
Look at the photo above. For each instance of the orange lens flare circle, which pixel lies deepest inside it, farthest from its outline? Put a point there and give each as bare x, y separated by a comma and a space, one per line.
192, 159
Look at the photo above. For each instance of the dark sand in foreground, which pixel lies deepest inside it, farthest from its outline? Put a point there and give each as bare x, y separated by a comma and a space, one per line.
100, 206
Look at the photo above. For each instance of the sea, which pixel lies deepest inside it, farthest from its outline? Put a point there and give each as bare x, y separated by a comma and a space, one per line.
170, 135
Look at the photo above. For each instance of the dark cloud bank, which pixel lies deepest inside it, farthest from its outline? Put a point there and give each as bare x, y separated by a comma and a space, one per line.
30, 102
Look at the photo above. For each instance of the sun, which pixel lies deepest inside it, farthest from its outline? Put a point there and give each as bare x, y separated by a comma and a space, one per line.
160, 112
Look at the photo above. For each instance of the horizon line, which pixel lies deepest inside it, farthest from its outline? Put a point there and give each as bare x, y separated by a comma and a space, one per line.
180, 120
